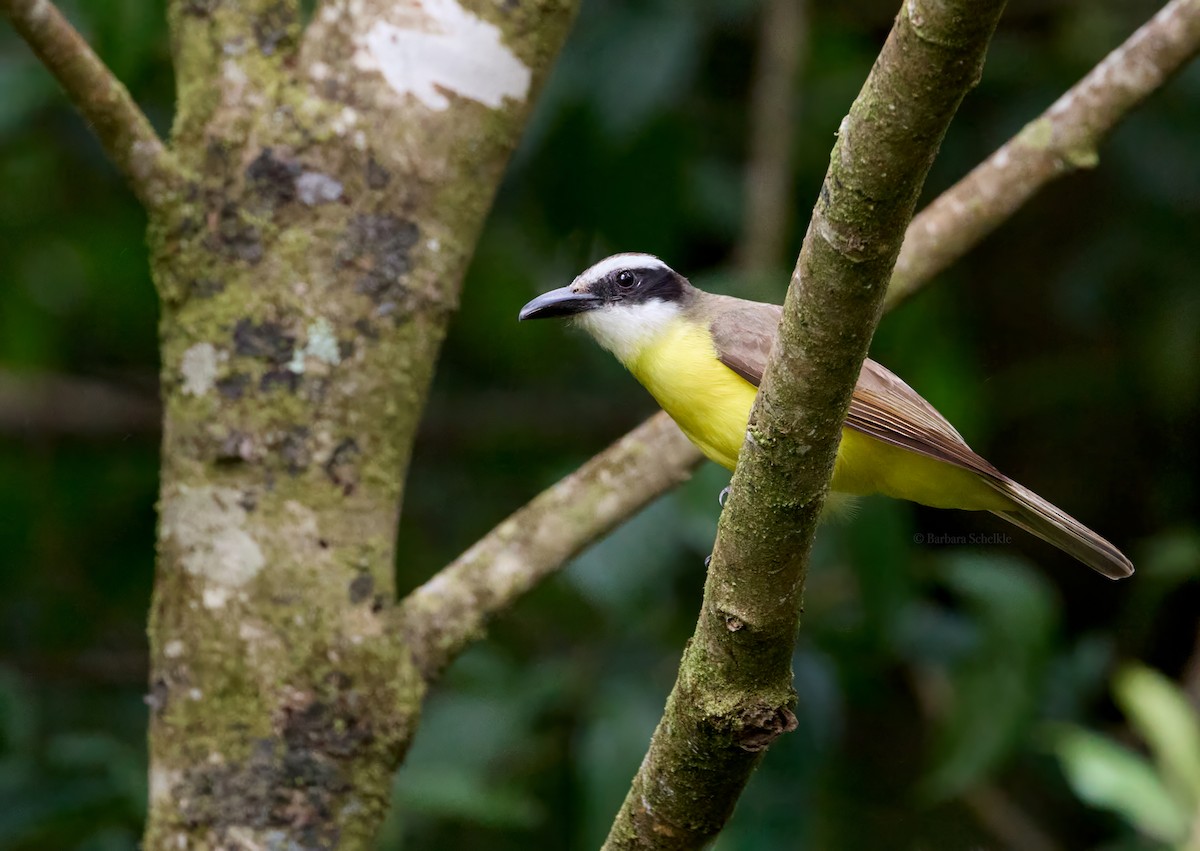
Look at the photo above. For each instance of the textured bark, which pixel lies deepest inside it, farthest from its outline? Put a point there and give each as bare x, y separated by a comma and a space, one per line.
306, 276
734, 696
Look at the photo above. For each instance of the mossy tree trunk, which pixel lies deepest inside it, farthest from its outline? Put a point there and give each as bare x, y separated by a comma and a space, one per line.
308, 260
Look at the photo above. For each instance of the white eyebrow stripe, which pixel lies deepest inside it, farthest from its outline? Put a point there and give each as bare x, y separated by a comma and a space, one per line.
619, 261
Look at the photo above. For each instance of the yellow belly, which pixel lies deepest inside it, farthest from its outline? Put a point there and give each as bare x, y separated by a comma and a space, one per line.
711, 403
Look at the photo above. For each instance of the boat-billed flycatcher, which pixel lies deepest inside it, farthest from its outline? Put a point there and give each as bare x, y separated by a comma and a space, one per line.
702, 357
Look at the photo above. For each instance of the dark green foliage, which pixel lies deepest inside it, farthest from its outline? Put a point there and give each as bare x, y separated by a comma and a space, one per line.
1065, 348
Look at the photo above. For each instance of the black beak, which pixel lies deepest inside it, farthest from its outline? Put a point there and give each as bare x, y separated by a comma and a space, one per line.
560, 302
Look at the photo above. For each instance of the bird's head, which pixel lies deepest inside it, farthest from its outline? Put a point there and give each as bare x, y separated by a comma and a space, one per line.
624, 302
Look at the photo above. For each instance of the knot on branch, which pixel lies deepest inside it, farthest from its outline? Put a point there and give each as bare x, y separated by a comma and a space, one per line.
759, 726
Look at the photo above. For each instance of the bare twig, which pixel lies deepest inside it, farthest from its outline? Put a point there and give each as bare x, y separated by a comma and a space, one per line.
1062, 139
449, 611
782, 42
121, 127
733, 697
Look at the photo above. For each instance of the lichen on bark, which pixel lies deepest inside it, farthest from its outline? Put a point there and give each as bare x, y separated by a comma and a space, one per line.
307, 274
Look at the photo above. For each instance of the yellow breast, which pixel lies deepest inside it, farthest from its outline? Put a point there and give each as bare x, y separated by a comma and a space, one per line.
711, 403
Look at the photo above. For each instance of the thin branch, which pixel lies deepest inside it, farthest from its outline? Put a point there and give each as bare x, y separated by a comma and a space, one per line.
1062, 139
451, 610
782, 41
734, 697
121, 127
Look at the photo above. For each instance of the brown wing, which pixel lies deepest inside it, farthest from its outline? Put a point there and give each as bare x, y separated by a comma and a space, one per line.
887, 409
883, 406
743, 333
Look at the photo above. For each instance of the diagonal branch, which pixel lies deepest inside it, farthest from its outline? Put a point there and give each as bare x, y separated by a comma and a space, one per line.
121, 127
450, 611
1062, 139
733, 696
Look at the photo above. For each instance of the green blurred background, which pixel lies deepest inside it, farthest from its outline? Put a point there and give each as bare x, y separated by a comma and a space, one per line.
936, 683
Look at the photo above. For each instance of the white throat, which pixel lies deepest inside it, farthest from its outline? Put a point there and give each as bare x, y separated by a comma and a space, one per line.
627, 329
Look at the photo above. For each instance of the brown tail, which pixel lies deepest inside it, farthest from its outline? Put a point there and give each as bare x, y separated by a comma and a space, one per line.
1038, 517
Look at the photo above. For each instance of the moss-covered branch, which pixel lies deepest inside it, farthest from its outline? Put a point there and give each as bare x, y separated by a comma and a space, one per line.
1062, 139
733, 696
121, 127
232, 61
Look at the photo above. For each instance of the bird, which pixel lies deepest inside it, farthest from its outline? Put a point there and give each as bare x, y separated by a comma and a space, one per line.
702, 355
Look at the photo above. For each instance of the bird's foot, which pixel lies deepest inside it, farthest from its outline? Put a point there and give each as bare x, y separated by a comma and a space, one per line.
724, 495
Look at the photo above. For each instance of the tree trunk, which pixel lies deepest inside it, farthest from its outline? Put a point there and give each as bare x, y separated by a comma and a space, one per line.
308, 268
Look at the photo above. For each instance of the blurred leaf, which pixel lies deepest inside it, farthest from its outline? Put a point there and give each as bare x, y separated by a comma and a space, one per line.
1173, 555
995, 688
1107, 775
1160, 713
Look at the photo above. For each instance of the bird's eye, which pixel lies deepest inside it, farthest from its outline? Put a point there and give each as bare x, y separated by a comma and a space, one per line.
626, 279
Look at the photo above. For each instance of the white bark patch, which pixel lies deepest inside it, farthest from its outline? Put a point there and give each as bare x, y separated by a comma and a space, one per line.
322, 345
315, 188
507, 569
215, 597
162, 783
199, 368
207, 524
438, 47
